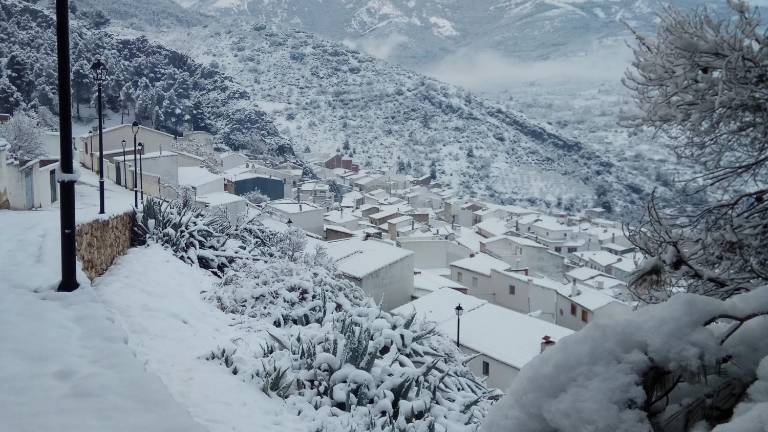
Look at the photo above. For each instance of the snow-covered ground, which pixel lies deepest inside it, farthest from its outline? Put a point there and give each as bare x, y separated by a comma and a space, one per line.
121, 354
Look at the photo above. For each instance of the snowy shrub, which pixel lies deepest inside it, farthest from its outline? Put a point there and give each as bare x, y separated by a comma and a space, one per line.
364, 369
665, 367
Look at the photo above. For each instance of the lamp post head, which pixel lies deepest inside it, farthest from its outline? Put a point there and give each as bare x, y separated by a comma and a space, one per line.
459, 310
289, 223
141, 148
99, 71
135, 127
123, 144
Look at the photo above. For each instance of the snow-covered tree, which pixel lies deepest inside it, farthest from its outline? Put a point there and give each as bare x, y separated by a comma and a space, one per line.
23, 134
702, 81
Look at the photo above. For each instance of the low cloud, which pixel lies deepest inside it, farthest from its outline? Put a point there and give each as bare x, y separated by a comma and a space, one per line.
490, 70
379, 47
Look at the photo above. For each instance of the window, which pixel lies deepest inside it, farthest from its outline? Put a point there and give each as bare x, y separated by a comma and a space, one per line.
558, 249
584, 315
486, 368
561, 311
573, 309
511, 290
571, 249
474, 282
458, 276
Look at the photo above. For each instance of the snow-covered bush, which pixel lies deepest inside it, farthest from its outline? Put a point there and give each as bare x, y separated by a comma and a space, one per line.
323, 345
666, 367
364, 369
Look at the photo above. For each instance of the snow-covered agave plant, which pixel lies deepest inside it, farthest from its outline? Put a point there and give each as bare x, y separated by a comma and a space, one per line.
364, 369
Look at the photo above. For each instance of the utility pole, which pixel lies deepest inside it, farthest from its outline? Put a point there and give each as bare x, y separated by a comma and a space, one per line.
67, 182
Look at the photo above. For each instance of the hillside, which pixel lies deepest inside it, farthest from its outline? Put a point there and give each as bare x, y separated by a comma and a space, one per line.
330, 97
419, 32
161, 87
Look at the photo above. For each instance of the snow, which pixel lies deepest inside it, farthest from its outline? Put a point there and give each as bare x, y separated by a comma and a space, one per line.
470, 239
196, 176
522, 334
359, 258
219, 198
290, 206
584, 273
67, 365
439, 306
481, 263
601, 258
494, 226
170, 328
429, 281
339, 217
608, 356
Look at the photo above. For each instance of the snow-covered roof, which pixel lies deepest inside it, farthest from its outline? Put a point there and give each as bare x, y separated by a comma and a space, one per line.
383, 214
196, 176
338, 229
481, 263
338, 217
584, 273
528, 218
607, 281
588, 297
439, 306
291, 206
469, 239
551, 224
157, 154
517, 240
616, 247
602, 258
494, 226
503, 334
429, 281
400, 219
625, 265
359, 258
219, 198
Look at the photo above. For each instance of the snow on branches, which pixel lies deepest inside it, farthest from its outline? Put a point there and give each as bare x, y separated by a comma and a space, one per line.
666, 367
704, 81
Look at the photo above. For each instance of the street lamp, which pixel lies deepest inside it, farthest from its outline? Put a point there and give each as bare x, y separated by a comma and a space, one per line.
459, 311
67, 180
99, 74
135, 128
125, 169
289, 223
141, 171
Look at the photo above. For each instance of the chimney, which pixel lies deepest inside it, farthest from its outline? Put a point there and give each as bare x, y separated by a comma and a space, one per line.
574, 290
600, 284
613, 238
546, 342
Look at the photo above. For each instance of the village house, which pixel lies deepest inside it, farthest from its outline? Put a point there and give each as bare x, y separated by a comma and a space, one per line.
521, 253
200, 180
426, 281
477, 336
304, 215
382, 270
234, 207
27, 184
153, 140
335, 232
492, 227
229, 160
598, 260
342, 218
431, 253
243, 179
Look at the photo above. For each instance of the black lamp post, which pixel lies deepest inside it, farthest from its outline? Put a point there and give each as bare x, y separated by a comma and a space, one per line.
141, 171
99, 74
125, 169
66, 185
459, 311
289, 223
135, 128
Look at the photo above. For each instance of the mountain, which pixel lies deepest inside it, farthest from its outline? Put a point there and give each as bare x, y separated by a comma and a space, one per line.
419, 32
329, 97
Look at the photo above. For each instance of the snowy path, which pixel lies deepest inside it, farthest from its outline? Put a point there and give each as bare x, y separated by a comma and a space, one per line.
64, 363
157, 299
121, 355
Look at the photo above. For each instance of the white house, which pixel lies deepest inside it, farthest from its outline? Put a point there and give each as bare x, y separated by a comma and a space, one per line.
229, 160
343, 218
383, 271
502, 341
601, 260
27, 184
202, 181
153, 140
430, 253
304, 215
234, 207
521, 253
426, 281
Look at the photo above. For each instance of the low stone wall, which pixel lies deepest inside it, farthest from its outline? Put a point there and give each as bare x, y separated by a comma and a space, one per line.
99, 242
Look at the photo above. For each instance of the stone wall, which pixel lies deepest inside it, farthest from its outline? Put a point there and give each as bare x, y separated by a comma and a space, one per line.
99, 242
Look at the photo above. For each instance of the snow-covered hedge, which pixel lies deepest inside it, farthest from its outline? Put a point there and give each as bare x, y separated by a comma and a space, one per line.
313, 338
666, 367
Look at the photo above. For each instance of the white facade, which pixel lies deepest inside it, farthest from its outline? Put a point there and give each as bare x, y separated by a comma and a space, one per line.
153, 140
521, 253
383, 271
28, 185
434, 253
304, 215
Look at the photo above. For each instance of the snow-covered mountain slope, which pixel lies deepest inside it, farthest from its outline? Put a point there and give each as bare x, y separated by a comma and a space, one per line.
329, 97
417, 32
